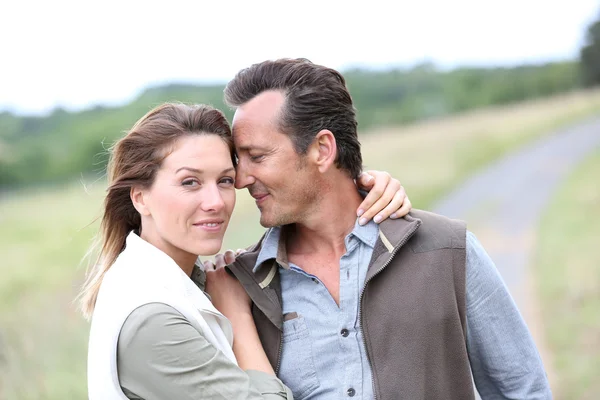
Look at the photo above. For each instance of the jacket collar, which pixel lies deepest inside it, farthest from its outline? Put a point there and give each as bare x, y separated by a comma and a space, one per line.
262, 286
155, 267
393, 234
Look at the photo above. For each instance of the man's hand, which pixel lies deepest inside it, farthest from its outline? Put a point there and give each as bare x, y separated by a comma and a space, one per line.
386, 197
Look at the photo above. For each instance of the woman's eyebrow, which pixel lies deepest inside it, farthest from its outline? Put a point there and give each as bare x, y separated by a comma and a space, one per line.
199, 171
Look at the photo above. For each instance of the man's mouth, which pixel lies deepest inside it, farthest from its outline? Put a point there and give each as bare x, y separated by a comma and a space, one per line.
259, 197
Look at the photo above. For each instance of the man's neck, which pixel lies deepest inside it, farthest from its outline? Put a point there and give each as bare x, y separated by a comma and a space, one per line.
325, 229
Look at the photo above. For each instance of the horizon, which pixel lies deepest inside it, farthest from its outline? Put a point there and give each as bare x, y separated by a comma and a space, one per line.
153, 85
101, 55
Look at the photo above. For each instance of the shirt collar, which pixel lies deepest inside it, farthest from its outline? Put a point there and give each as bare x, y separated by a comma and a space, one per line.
273, 246
365, 233
270, 247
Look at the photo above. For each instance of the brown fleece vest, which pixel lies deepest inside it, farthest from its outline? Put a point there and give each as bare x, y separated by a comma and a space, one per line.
412, 310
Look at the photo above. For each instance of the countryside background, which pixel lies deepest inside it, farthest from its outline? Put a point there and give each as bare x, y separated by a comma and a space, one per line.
430, 127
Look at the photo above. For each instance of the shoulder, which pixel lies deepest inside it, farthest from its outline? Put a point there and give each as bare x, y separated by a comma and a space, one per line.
431, 219
156, 333
247, 260
157, 350
150, 323
437, 231
123, 289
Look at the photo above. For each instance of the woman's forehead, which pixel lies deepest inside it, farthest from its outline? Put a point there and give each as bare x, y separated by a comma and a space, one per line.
206, 152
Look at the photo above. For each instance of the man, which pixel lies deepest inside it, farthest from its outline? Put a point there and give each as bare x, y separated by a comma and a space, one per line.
401, 310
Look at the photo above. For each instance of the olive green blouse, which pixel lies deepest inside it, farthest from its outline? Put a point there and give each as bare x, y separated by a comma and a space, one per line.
160, 355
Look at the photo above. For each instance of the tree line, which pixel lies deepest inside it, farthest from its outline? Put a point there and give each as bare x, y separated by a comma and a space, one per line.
64, 144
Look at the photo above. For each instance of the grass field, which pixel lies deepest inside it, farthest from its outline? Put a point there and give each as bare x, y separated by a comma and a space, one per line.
45, 230
568, 281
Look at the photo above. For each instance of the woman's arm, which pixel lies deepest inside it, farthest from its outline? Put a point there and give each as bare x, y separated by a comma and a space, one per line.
230, 298
247, 348
160, 355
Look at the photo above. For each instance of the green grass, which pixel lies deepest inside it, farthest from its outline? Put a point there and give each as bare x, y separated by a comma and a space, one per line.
568, 279
45, 231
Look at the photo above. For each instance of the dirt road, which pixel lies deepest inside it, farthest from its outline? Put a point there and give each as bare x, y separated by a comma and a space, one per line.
503, 203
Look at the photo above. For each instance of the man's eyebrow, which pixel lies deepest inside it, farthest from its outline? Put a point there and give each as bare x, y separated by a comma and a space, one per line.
249, 147
199, 171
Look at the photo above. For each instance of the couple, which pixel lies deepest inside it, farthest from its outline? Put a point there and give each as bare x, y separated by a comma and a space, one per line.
327, 304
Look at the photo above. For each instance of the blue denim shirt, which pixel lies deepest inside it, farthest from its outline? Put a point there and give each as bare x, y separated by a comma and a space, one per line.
323, 354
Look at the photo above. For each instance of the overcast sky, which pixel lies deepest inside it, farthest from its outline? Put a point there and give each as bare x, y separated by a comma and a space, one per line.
75, 54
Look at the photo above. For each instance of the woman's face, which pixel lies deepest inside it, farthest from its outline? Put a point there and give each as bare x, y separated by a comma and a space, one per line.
186, 211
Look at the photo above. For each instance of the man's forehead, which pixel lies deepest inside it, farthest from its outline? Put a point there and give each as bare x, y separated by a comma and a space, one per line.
259, 111
265, 102
245, 124
256, 142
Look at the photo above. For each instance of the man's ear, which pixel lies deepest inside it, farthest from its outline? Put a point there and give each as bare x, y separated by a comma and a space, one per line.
324, 150
138, 199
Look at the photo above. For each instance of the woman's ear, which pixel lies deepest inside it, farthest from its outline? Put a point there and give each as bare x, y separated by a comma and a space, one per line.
138, 198
325, 150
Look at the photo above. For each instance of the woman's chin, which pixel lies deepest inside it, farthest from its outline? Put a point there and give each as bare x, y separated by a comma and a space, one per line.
209, 248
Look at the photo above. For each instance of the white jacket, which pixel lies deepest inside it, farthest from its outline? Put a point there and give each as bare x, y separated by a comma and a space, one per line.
143, 274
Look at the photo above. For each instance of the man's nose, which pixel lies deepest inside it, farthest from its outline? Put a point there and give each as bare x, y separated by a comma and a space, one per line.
212, 200
243, 177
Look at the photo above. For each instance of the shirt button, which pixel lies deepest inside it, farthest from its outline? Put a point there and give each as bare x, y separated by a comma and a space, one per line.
351, 392
345, 332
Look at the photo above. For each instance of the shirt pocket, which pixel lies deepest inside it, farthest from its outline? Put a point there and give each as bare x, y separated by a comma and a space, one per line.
297, 369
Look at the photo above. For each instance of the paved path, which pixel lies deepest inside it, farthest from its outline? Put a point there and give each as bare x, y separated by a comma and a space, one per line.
502, 205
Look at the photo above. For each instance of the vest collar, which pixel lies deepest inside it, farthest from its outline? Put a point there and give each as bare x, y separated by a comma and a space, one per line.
262, 284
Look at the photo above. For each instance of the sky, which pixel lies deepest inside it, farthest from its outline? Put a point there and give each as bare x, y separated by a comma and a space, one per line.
77, 54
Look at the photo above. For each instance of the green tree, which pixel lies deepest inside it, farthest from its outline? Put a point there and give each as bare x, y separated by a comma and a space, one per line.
590, 55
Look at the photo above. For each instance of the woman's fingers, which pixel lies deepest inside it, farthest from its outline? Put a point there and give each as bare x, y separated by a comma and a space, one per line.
221, 260
379, 197
229, 257
405, 209
208, 265
396, 208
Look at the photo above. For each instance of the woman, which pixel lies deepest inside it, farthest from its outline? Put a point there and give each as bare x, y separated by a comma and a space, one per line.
154, 333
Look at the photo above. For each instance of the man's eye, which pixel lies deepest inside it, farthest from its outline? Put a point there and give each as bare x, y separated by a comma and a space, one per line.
257, 158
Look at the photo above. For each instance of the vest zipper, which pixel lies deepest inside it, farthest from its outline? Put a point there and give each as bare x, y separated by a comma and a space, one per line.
279, 355
404, 240
281, 336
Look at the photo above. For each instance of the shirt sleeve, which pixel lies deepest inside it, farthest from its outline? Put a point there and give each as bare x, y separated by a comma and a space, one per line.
160, 355
504, 359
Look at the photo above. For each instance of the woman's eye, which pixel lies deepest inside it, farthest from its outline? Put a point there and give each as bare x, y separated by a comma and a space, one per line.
190, 182
227, 181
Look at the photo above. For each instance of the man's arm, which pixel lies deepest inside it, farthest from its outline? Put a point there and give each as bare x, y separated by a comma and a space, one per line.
504, 359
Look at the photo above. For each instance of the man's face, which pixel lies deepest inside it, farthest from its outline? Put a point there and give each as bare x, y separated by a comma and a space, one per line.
281, 181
